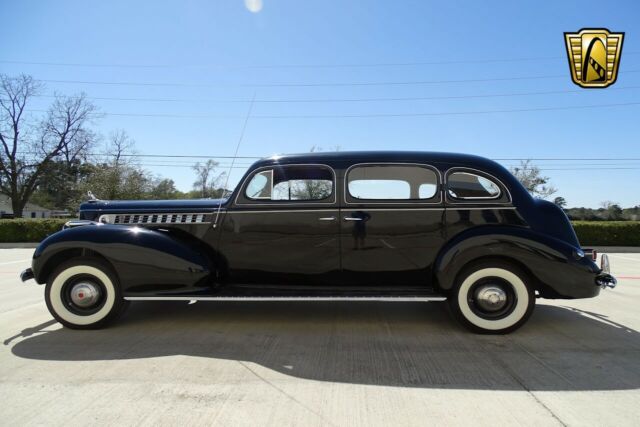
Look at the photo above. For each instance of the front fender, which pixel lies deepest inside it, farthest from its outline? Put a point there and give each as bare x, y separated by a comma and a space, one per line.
556, 268
147, 262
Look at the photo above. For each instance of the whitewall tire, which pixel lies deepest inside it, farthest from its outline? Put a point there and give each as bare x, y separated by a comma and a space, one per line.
84, 293
492, 298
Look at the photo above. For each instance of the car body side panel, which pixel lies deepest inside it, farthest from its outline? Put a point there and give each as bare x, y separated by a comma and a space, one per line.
556, 271
390, 246
147, 262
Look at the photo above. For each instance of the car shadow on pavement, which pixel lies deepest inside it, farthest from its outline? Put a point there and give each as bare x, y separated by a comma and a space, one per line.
389, 344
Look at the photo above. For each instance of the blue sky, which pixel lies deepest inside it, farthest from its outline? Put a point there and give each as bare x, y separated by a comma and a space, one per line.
220, 51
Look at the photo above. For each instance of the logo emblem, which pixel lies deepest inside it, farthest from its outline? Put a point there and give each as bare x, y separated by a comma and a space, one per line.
594, 56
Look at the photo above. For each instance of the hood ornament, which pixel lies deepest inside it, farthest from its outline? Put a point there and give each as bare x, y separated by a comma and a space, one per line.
92, 197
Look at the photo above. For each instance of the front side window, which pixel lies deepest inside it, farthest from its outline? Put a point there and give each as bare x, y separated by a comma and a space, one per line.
466, 185
392, 182
299, 183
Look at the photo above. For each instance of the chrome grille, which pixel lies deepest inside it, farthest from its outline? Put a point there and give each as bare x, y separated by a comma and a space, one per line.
155, 218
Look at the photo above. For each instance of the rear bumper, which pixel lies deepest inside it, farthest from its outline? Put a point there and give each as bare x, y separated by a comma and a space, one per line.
26, 275
606, 280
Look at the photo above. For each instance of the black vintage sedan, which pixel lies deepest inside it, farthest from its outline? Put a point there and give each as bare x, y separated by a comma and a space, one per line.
391, 226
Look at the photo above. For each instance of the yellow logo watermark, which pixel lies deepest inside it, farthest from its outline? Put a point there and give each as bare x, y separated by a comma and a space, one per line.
594, 56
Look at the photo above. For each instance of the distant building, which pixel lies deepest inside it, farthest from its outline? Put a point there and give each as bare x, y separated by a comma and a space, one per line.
30, 210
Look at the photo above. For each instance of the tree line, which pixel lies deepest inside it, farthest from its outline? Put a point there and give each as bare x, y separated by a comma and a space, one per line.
47, 159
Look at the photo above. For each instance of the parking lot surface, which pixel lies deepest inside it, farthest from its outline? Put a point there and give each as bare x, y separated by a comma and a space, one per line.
319, 363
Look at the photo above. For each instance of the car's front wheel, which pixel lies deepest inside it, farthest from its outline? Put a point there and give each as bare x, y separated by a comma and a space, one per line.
492, 298
84, 293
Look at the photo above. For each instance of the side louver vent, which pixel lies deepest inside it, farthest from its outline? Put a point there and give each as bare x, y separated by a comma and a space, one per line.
160, 218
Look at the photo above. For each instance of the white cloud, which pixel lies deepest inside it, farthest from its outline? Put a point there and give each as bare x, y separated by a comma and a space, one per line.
253, 6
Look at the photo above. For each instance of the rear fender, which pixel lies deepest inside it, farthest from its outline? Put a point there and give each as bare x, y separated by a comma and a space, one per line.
556, 269
147, 262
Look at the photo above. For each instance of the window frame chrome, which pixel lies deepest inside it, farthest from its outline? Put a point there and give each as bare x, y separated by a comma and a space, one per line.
504, 190
428, 201
260, 202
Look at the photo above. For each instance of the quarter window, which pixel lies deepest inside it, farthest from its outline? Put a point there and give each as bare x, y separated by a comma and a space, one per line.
301, 183
465, 185
392, 182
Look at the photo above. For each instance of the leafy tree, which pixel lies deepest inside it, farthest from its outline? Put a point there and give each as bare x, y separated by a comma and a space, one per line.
207, 182
28, 145
612, 211
560, 202
531, 178
164, 189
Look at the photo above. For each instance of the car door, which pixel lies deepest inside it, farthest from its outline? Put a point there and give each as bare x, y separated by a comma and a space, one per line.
392, 224
282, 227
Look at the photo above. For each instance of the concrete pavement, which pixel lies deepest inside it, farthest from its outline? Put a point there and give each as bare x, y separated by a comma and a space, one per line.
362, 364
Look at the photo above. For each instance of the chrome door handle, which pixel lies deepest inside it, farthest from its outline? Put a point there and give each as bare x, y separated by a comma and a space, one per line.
350, 218
327, 218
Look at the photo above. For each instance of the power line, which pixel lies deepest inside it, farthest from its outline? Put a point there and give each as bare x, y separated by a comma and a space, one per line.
275, 66
335, 84
337, 100
542, 169
198, 156
373, 115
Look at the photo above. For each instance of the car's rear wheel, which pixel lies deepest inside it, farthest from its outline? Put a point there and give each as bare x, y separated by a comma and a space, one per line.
84, 293
492, 298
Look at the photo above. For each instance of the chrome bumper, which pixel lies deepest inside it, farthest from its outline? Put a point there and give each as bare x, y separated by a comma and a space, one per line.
605, 279
26, 275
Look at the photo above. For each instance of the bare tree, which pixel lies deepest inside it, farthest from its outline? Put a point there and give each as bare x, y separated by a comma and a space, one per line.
29, 145
207, 181
531, 178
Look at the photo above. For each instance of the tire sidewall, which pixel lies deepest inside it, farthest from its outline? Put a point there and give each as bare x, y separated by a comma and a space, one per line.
83, 266
524, 305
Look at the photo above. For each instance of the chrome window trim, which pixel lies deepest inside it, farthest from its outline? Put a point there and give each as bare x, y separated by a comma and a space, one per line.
287, 203
399, 201
486, 200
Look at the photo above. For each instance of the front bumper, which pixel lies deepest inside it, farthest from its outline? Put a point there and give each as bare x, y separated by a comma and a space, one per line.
26, 275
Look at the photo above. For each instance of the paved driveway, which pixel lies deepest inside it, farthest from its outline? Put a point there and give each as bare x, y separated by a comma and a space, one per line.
574, 363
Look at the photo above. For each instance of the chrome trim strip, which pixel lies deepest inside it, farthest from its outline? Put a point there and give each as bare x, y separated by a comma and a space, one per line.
154, 218
252, 173
483, 208
349, 298
281, 211
345, 180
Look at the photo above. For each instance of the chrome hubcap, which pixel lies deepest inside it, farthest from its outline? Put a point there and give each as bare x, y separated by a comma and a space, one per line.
85, 294
491, 297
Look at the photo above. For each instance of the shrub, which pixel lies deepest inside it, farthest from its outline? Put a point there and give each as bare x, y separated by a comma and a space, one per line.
28, 230
608, 233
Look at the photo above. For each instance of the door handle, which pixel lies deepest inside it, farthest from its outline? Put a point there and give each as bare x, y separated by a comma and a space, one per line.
327, 218
351, 218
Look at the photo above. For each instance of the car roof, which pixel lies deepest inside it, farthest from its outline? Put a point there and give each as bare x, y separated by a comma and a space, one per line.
353, 157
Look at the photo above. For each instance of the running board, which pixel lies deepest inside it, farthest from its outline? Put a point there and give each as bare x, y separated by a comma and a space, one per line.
403, 298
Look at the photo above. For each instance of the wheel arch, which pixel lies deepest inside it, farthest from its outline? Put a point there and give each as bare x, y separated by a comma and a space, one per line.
49, 266
540, 257
144, 260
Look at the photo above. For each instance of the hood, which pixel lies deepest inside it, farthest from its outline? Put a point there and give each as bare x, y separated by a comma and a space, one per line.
91, 210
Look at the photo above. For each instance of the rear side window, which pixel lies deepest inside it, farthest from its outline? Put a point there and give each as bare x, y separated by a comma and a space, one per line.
292, 183
392, 182
470, 186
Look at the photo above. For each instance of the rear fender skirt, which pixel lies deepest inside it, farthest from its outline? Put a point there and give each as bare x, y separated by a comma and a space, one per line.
147, 262
555, 268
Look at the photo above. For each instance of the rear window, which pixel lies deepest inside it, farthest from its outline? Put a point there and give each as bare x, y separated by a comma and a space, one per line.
471, 186
392, 182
